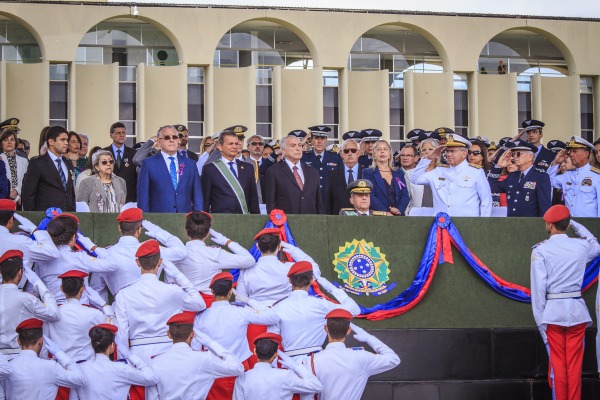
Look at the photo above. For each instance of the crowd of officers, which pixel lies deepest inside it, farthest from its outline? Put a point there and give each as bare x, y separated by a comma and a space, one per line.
155, 319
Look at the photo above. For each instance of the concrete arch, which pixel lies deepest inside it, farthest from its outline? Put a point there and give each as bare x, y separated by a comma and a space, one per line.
29, 27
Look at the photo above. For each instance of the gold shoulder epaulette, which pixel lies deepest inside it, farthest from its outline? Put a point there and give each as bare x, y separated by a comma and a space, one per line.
475, 166
596, 170
379, 213
442, 165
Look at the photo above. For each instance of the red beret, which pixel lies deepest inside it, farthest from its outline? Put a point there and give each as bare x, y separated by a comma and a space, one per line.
73, 274
203, 212
11, 254
268, 335
148, 248
31, 323
108, 327
73, 217
131, 215
300, 267
339, 313
268, 231
184, 318
556, 213
221, 276
7, 205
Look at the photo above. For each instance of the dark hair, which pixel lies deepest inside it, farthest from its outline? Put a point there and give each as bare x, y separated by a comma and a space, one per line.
301, 280
149, 262
62, 230
42, 139
265, 349
7, 133
562, 225
116, 125
268, 146
410, 146
338, 327
5, 216
29, 337
54, 132
221, 140
485, 163
10, 268
73, 133
89, 161
24, 142
222, 287
268, 243
71, 286
101, 339
129, 228
180, 332
197, 225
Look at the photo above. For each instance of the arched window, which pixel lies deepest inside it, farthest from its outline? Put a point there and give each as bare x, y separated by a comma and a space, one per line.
17, 44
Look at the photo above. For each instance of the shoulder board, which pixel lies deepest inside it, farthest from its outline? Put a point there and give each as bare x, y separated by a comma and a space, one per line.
537, 244
357, 348
347, 209
80, 361
442, 165
278, 301
238, 304
475, 166
122, 360
595, 170
379, 213
156, 355
542, 171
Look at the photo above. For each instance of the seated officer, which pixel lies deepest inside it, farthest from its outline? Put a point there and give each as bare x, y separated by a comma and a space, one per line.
360, 198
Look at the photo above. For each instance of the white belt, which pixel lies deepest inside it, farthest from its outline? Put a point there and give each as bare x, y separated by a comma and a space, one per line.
10, 352
306, 350
567, 295
150, 340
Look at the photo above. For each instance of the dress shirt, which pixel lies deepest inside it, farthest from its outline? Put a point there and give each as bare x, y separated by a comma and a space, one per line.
234, 165
168, 163
299, 165
354, 173
581, 189
62, 164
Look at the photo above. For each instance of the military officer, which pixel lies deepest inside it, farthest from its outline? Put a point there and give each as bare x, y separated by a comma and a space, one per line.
414, 135
556, 145
557, 271
360, 198
369, 137
183, 133
532, 128
320, 158
12, 124
354, 135
581, 186
443, 132
460, 188
528, 191
482, 139
344, 371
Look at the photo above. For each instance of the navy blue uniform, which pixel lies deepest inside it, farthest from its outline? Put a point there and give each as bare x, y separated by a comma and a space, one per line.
543, 159
330, 161
365, 161
530, 196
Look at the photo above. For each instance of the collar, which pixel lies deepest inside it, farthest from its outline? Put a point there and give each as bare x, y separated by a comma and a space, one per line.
181, 345
263, 365
64, 248
346, 168
115, 148
584, 168
292, 165
321, 154
72, 300
226, 161
299, 293
102, 357
221, 303
166, 157
462, 165
336, 345
148, 277
527, 170
4, 229
10, 286
129, 239
273, 257
196, 242
28, 353
53, 157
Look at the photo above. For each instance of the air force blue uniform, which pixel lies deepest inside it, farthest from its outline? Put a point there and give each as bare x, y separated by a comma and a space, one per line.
530, 196
329, 161
543, 159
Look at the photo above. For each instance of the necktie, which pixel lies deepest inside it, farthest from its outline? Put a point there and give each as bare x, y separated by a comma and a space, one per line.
319, 158
298, 179
232, 169
184, 153
63, 178
173, 172
350, 176
521, 177
119, 159
255, 171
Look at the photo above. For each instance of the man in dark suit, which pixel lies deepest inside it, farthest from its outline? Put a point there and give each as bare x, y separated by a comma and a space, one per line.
319, 158
123, 157
228, 184
291, 185
48, 181
532, 129
183, 137
336, 196
168, 182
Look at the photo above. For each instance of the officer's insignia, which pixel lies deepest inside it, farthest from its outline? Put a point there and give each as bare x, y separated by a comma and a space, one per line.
529, 185
180, 128
475, 166
449, 139
441, 130
362, 269
595, 170
14, 121
586, 182
238, 129
369, 131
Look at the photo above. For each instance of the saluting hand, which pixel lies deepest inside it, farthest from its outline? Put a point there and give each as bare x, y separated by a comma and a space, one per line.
218, 238
435, 153
560, 158
504, 161
359, 333
26, 225
51, 346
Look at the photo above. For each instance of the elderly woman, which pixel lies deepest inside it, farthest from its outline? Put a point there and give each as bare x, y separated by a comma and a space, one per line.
16, 166
389, 193
103, 191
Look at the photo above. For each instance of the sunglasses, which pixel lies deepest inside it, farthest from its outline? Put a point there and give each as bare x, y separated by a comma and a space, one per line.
475, 153
106, 162
257, 144
518, 153
346, 151
169, 137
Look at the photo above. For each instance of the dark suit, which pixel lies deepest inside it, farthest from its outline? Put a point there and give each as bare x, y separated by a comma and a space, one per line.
531, 197
379, 197
43, 188
155, 192
126, 170
336, 196
329, 162
4, 183
190, 154
282, 190
365, 161
219, 197
543, 159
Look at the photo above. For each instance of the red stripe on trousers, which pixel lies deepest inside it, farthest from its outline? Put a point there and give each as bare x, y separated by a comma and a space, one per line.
222, 388
63, 393
566, 359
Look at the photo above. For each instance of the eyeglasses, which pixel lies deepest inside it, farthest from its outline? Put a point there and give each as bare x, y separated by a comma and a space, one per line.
257, 144
346, 151
519, 153
106, 162
475, 153
407, 155
169, 137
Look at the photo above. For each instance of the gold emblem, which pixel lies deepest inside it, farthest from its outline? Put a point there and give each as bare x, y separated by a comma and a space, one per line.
362, 184
180, 128
441, 130
14, 121
449, 138
238, 129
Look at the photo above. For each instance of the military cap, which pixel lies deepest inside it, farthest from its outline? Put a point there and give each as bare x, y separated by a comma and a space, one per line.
424, 135
109, 327
148, 248
299, 268
443, 131
414, 134
455, 140
556, 213
131, 215
319, 130
10, 125
239, 130
180, 128
7, 205
556, 145
524, 145
360, 186
299, 133
577, 142
31, 323
216, 135
269, 336
371, 135
333, 147
11, 254
354, 135
482, 139
268, 231
505, 141
203, 212
274, 144
66, 215
73, 274
221, 276
492, 146
183, 318
339, 313
531, 124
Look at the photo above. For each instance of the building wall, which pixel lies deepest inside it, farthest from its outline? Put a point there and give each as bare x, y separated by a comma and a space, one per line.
230, 95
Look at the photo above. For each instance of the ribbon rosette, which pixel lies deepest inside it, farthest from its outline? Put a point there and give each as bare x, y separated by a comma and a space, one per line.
181, 166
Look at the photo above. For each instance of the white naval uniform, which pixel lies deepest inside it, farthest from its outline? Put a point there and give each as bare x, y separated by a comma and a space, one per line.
265, 382
344, 371
204, 262
303, 318
5, 368
108, 380
40, 249
185, 374
143, 309
127, 271
71, 331
461, 191
558, 266
227, 324
37, 379
581, 189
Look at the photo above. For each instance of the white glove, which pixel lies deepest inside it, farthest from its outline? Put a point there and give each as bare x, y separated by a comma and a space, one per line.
122, 348
86, 241
151, 229
31, 276
359, 333
218, 238
109, 312
325, 284
290, 364
288, 248
171, 270
240, 297
207, 341
26, 225
94, 298
51, 346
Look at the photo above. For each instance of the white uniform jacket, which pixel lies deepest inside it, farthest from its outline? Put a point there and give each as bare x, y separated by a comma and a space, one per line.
40, 249
581, 189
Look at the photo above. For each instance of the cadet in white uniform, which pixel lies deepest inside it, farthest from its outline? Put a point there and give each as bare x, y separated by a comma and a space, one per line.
557, 271
459, 189
108, 380
344, 371
227, 324
581, 186
187, 374
204, 262
33, 378
266, 382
